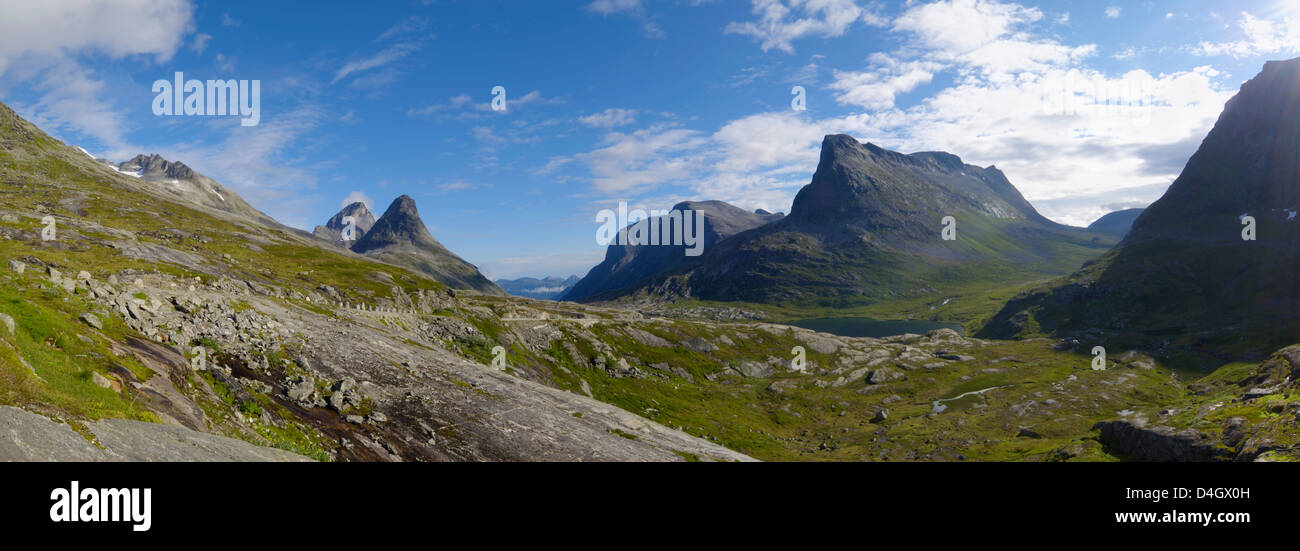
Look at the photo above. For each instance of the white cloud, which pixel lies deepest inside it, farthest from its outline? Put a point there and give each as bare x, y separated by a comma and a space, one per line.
610, 118
71, 101
67, 28
1030, 105
1072, 138
877, 88
1065, 132
40, 43
464, 106
633, 8
1113, 12
458, 185
200, 42
954, 28
388, 55
1262, 37
644, 159
781, 22
607, 7
758, 161
412, 25
984, 35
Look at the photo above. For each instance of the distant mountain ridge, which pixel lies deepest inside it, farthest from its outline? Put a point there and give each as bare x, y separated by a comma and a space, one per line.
868, 228
625, 265
547, 288
178, 181
1117, 223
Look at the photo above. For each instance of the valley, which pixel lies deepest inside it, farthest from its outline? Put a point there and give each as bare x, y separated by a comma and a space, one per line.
156, 305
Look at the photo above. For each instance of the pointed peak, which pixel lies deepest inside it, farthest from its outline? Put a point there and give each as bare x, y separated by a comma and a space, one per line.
355, 207
403, 209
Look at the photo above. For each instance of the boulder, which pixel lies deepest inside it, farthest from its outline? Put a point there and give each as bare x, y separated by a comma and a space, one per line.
754, 369
883, 375
92, 320
699, 345
104, 382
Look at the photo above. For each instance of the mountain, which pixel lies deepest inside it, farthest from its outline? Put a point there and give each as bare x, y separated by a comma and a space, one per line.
332, 231
868, 228
151, 328
1116, 223
182, 183
191, 334
1185, 275
399, 237
626, 265
548, 288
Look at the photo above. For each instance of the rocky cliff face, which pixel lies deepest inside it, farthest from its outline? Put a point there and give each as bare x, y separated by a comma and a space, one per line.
870, 227
400, 237
332, 231
626, 265
1188, 274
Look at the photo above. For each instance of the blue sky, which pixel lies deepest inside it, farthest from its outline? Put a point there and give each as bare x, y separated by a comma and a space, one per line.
647, 101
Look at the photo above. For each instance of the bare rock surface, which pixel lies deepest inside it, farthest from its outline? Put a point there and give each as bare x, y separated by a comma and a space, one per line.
26, 436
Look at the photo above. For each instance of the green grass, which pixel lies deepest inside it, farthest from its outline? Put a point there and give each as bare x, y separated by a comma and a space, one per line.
46, 335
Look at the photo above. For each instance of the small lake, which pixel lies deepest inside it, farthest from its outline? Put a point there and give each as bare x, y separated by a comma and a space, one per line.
867, 327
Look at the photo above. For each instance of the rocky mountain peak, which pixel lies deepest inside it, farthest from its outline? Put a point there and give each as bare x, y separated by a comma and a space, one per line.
1247, 164
155, 166
1189, 266
627, 264
400, 237
400, 225
333, 229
